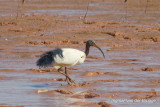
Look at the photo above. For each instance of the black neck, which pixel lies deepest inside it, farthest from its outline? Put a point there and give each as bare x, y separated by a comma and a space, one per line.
87, 49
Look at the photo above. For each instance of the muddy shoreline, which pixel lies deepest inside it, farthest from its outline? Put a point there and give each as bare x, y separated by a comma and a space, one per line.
128, 76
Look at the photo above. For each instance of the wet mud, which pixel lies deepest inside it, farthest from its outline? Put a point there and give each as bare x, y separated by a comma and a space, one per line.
128, 33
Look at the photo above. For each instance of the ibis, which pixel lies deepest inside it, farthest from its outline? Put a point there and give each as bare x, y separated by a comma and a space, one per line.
65, 57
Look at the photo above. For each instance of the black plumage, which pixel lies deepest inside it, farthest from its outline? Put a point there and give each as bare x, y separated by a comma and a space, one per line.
47, 58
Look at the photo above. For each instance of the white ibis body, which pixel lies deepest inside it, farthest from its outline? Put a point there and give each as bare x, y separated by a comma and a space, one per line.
64, 57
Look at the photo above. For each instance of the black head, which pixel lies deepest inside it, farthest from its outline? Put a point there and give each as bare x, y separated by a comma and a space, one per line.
92, 43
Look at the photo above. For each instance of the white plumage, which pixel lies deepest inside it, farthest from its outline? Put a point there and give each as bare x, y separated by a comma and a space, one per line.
70, 57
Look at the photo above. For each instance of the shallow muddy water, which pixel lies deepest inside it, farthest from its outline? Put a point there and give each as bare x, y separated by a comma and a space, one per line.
122, 69
139, 11
127, 77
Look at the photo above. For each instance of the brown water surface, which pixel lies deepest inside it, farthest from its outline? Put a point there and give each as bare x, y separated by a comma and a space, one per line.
128, 33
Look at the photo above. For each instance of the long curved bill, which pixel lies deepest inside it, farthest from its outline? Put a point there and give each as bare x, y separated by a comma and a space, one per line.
99, 49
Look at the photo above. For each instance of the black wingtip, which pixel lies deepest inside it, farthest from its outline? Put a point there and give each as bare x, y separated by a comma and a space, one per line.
47, 58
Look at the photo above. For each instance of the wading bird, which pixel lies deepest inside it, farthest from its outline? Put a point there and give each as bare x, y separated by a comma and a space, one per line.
64, 57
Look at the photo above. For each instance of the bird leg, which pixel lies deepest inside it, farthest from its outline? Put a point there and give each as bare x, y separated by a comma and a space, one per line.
72, 81
65, 75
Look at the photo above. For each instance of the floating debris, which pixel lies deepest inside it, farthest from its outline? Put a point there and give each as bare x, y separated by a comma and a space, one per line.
41, 91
